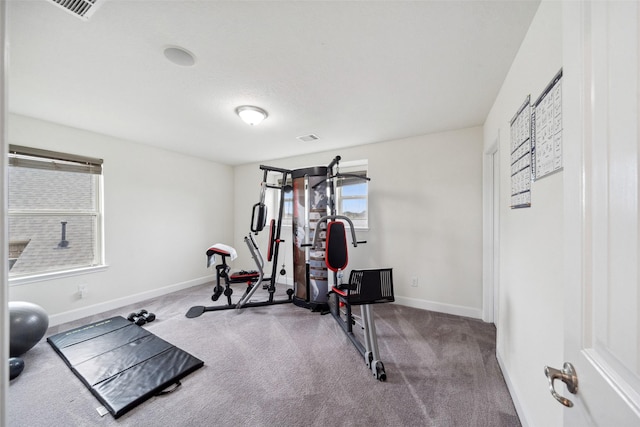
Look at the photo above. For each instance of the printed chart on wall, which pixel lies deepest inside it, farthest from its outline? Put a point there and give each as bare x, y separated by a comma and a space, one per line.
546, 138
521, 156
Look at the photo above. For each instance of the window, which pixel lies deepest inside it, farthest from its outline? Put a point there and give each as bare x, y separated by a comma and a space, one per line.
352, 198
352, 195
55, 217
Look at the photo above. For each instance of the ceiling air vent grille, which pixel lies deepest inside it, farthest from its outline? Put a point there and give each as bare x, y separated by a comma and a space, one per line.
308, 138
83, 9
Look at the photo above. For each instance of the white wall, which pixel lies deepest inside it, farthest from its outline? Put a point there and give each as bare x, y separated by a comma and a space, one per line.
425, 216
161, 209
530, 320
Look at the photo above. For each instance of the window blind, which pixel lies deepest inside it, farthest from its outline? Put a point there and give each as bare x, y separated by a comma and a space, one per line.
35, 158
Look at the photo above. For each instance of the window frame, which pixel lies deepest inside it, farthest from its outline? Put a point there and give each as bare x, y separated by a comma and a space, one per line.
358, 223
34, 158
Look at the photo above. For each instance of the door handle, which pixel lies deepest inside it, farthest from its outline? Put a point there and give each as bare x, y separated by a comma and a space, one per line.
568, 376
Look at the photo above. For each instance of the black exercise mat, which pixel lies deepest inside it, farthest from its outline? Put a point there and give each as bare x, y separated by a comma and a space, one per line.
121, 363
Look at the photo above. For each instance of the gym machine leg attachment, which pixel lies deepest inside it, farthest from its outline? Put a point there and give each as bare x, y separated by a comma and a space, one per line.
217, 291
371, 287
364, 288
253, 280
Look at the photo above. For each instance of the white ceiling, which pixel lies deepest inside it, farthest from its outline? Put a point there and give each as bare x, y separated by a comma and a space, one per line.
351, 72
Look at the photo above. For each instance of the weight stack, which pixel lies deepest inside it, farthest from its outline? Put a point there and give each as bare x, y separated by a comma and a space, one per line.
310, 273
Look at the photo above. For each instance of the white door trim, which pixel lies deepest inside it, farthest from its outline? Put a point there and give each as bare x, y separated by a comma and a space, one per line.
4, 273
490, 231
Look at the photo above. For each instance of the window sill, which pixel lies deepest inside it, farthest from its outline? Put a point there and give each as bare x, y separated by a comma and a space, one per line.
25, 280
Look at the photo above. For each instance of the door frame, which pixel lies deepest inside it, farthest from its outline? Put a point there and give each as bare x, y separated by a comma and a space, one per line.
491, 231
4, 292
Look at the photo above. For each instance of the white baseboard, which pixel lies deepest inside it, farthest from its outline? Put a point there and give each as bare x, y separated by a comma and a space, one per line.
457, 310
512, 391
69, 316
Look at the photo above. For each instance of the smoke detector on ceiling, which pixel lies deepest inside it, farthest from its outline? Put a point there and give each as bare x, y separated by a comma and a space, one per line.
83, 9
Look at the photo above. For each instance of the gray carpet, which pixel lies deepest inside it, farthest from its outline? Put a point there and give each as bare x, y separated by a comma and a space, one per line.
285, 366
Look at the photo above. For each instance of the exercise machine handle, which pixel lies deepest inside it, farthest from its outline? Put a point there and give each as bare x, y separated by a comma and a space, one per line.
274, 169
325, 218
334, 162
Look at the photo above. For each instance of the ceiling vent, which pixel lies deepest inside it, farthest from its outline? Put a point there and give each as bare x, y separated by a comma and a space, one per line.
83, 9
308, 138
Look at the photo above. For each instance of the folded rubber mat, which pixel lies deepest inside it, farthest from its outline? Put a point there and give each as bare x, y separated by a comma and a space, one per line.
121, 363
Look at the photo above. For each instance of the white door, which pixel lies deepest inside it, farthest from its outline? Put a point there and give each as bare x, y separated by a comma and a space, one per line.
601, 98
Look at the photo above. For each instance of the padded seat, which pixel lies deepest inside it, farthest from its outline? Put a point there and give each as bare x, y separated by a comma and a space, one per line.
244, 276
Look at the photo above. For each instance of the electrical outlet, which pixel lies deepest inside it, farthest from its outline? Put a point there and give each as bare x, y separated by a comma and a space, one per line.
82, 290
414, 282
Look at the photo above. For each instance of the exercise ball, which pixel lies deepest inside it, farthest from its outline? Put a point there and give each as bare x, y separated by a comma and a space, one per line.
16, 366
28, 323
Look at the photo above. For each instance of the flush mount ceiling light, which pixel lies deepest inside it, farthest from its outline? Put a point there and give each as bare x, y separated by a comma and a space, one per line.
251, 115
179, 56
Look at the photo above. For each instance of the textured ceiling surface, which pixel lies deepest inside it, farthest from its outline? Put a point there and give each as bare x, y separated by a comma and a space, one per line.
350, 72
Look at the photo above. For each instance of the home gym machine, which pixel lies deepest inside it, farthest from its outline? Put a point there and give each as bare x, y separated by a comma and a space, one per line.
320, 246
253, 278
310, 203
329, 250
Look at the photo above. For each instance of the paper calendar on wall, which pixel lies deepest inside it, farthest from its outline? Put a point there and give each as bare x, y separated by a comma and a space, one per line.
521, 156
546, 138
